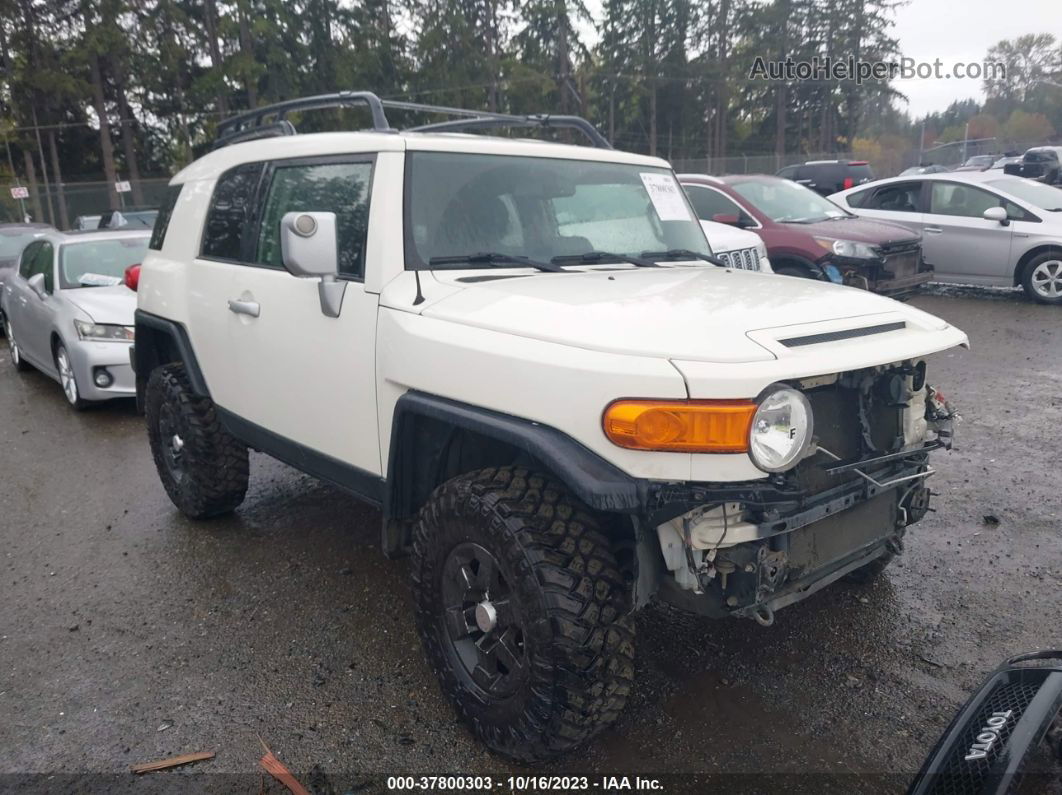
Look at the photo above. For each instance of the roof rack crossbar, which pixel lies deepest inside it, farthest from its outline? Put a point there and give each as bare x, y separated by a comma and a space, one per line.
498, 120
270, 120
246, 125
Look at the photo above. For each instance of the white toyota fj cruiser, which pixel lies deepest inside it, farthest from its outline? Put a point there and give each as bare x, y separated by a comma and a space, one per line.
526, 355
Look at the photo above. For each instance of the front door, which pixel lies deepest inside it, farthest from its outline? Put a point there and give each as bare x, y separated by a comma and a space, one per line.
284, 365
35, 323
960, 244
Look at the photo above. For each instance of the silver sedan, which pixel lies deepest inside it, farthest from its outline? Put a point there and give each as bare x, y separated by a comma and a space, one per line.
68, 312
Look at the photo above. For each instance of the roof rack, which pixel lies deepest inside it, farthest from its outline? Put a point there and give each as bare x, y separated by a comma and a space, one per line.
271, 121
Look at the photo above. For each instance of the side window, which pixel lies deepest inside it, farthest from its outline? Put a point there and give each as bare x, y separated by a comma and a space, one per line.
162, 222
42, 263
340, 188
230, 211
708, 203
859, 198
29, 253
949, 198
900, 197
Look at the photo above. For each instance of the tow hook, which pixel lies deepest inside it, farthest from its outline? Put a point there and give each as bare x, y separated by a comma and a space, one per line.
763, 615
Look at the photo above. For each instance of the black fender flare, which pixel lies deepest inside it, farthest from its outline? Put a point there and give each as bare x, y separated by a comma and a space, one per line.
159, 341
595, 481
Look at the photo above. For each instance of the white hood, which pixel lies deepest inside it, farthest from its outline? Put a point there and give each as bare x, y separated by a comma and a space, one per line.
114, 305
696, 313
723, 237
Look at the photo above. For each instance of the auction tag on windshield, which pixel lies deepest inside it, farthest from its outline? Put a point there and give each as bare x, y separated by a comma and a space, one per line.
666, 195
98, 280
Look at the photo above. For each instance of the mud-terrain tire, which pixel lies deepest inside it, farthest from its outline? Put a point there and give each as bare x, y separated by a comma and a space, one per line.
202, 467
556, 665
865, 575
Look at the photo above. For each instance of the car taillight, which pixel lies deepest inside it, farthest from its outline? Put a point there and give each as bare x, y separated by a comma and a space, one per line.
848, 183
132, 277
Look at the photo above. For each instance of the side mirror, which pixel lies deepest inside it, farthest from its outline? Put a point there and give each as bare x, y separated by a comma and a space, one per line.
308, 249
745, 222
997, 214
36, 283
726, 218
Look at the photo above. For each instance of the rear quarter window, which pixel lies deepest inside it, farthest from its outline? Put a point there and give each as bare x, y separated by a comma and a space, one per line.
231, 211
162, 222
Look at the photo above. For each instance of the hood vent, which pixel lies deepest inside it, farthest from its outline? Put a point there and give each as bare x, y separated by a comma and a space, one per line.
847, 334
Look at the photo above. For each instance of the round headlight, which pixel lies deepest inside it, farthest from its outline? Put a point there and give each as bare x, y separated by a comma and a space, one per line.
781, 429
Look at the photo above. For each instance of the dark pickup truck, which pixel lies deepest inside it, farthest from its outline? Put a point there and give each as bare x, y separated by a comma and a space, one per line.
1042, 163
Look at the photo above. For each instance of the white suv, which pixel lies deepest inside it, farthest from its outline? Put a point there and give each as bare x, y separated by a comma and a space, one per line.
526, 355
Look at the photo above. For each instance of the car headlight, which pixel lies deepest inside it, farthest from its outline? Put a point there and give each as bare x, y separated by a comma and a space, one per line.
781, 429
850, 249
103, 332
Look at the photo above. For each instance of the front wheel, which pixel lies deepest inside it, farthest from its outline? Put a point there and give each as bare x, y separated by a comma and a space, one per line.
67, 378
521, 609
1042, 279
202, 467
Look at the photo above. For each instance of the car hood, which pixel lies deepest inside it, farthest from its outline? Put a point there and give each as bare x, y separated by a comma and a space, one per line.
690, 313
860, 230
723, 237
105, 304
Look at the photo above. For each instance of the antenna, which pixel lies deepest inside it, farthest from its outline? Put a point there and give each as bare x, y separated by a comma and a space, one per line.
419, 298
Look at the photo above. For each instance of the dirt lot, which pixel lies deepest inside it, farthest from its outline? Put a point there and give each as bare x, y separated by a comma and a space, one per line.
128, 633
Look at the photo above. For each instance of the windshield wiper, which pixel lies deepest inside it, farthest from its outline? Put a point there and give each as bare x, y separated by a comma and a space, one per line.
683, 253
495, 258
591, 257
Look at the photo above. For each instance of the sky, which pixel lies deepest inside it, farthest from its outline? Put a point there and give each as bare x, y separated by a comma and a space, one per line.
954, 32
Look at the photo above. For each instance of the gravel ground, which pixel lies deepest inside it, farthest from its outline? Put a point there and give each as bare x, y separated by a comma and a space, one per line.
128, 633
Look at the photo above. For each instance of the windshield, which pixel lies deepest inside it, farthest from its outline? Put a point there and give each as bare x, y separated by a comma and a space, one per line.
980, 160
99, 263
787, 202
1036, 193
541, 208
12, 243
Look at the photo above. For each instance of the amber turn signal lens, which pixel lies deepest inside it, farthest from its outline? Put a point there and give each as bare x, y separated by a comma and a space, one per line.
684, 426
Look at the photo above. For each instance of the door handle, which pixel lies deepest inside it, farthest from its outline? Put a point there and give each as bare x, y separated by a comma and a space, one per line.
251, 308
933, 230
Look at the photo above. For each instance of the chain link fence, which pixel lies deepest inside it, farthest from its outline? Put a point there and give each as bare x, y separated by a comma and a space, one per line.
750, 164
71, 200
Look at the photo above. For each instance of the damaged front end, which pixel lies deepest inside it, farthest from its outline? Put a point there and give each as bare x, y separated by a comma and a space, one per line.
748, 549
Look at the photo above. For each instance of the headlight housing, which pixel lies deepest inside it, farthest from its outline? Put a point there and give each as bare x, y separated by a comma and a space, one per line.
103, 332
849, 249
781, 430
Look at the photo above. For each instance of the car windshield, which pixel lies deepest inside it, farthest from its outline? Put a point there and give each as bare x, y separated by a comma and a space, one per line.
1046, 197
787, 202
459, 205
13, 241
980, 160
99, 263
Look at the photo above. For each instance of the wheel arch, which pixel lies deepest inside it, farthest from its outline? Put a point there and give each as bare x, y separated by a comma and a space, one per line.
1028, 256
434, 439
159, 341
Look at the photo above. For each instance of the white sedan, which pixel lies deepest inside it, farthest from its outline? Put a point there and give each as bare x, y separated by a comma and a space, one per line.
978, 227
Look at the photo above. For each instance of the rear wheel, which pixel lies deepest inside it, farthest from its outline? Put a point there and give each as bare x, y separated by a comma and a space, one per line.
1043, 278
521, 609
202, 467
16, 355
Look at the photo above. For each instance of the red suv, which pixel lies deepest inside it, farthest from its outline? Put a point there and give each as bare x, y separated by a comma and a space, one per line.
808, 235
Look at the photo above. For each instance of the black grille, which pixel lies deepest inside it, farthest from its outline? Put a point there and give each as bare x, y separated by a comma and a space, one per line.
959, 776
